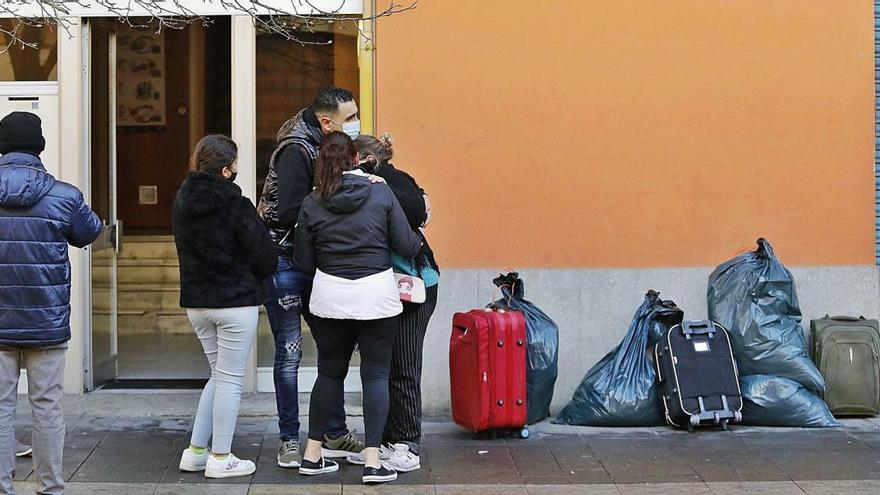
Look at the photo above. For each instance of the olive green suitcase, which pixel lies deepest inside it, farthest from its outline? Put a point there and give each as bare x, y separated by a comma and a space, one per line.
847, 351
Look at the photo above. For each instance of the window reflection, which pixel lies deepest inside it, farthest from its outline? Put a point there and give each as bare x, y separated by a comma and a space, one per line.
27, 63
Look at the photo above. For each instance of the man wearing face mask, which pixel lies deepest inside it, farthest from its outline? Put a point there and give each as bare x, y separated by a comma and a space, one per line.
289, 181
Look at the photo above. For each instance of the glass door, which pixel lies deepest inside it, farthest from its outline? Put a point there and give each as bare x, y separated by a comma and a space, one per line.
99, 58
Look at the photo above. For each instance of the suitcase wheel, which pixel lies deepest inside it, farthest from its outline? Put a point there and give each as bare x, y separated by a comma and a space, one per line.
694, 420
524, 433
737, 417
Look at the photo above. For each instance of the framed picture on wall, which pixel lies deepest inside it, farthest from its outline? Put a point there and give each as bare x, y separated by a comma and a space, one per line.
140, 77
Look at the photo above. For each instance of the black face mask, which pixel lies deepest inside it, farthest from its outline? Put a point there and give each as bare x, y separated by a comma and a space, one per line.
232, 177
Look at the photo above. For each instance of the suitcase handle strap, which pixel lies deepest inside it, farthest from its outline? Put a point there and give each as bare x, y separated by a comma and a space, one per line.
845, 318
702, 327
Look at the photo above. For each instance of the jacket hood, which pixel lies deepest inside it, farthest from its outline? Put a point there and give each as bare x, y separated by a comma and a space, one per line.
24, 180
203, 194
352, 193
304, 125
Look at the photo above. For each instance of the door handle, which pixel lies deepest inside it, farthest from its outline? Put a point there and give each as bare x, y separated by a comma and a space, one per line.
116, 236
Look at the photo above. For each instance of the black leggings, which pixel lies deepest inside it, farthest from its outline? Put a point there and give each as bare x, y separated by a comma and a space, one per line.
336, 340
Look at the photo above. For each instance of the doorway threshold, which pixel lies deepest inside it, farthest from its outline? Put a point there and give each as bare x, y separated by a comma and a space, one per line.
155, 384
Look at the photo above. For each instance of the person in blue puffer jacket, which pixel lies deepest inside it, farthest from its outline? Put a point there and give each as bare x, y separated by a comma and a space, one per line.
39, 217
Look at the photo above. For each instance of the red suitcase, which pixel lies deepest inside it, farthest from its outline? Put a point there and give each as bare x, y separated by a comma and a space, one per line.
487, 370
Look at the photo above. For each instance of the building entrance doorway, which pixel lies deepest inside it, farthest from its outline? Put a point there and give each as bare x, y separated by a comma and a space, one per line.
153, 94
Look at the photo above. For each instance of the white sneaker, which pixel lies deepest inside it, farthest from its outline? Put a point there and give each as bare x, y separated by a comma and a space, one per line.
192, 462
385, 452
402, 460
229, 468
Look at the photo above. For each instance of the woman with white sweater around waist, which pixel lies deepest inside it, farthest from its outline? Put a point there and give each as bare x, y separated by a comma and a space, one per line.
347, 229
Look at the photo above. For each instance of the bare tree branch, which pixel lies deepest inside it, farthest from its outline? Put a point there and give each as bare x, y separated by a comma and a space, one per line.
288, 19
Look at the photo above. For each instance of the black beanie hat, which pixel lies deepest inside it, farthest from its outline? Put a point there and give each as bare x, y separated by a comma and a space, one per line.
21, 131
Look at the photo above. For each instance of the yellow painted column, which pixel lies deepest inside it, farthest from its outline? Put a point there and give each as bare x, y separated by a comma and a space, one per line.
244, 129
74, 169
367, 65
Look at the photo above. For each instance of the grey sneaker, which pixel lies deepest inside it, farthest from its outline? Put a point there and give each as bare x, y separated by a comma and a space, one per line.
343, 446
289, 455
22, 449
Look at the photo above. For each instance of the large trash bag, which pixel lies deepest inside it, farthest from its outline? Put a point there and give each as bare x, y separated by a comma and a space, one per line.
542, 351
754, 297
621, 390
776, 401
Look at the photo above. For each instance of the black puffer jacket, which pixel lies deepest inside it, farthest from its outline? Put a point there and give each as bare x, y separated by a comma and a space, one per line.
290, 177
352, 233
226, 254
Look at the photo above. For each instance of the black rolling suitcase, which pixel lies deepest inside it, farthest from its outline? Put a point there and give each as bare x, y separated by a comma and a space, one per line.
699, 383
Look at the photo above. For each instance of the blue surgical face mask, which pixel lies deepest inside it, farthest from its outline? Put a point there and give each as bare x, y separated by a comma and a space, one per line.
352, 129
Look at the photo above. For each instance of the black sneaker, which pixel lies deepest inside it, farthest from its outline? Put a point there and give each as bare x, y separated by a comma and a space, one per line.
378, 475
323, 466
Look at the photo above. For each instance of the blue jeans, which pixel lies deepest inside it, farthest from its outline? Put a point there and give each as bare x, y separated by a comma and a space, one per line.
286, 307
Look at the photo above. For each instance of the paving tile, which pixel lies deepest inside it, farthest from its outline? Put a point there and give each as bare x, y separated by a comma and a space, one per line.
481, 490
389, 489
847, 487
109, 488
829, 466
131, 456
24, 466
534, 460
665, 488
200, 489
755, 487
295, 490
572, 489
597, 476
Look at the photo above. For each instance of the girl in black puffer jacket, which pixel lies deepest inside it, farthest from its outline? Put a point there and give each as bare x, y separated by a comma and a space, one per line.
226, 259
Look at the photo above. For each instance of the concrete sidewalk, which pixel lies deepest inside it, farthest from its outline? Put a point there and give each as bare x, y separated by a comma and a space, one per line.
131, 443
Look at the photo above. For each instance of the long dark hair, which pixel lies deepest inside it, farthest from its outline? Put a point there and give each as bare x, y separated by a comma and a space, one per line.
337, 155
213, 152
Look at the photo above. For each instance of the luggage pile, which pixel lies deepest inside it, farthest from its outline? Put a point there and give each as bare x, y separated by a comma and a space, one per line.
749, 362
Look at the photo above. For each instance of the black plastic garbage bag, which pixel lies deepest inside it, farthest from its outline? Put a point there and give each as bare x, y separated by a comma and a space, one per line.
776, 401
542, 351
621, 390
754, 297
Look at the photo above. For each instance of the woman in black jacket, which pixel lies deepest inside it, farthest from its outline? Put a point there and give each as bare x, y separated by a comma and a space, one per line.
226, 259
403, 430
347, 230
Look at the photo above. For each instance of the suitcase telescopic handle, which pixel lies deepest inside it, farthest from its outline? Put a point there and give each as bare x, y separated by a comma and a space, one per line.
701, 327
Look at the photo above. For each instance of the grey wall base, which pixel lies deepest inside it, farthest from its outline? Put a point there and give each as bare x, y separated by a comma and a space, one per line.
594, 307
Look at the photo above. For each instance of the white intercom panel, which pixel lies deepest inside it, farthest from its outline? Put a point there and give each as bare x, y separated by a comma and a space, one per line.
41, 99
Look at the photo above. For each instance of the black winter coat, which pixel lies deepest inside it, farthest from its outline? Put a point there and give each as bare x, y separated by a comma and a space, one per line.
412, 201
226, 254
352, 233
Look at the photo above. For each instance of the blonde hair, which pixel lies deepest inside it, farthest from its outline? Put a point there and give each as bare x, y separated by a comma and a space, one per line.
382, 147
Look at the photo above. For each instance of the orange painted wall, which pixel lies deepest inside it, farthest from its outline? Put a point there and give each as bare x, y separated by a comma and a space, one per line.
635, 133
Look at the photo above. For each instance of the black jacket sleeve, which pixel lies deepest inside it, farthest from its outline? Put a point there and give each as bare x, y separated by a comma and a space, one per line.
253, 237
408, 194
402, 238
294, 184
303, 244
